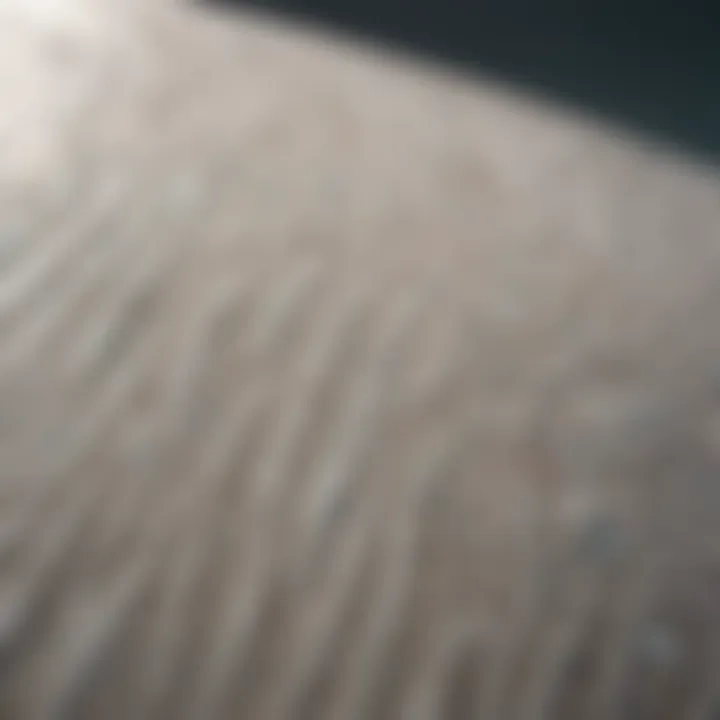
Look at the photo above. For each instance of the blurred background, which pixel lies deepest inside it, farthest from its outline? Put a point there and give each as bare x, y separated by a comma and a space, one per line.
651, 65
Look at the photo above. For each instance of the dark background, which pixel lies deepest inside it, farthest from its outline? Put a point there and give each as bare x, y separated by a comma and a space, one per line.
653, 66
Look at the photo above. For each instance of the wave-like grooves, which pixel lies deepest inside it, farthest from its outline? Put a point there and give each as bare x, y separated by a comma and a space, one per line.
247, 477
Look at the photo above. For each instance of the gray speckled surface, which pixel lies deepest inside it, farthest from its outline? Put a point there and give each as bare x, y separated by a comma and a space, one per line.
334, 386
